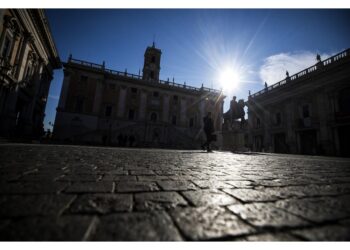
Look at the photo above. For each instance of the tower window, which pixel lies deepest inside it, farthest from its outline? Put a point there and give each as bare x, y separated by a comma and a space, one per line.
153, 117
152, 74
108, 111
153, 59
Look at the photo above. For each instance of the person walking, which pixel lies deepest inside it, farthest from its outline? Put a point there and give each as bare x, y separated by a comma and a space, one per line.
208, 130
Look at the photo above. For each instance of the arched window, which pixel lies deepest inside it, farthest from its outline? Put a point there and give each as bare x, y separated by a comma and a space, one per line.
153, 117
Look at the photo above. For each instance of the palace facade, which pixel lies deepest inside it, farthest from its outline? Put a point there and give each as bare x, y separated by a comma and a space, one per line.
307, 113
102, 106
28, 57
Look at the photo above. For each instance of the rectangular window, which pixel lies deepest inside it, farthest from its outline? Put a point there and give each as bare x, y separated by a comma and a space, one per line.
108, 111
278, 119
131, 114
155, 94
83, 79
258, 122
175, 98
173, 120
5, 50
134, 90
79, 105
191, 123
306, 111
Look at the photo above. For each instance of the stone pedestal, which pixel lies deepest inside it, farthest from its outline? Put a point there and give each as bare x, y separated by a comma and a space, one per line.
233, 140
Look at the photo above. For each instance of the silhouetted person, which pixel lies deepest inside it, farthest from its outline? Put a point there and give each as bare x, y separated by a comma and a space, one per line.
131, 140
208, 129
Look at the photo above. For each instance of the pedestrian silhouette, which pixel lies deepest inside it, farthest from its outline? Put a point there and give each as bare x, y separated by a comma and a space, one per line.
208, 129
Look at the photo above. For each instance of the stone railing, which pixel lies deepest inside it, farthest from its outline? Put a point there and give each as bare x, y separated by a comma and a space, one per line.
139, 77
319, 65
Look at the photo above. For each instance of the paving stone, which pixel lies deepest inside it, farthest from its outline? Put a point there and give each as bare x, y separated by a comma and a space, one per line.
91, 187
313, 209
240, 184
116, 172
158, 200
308, 193
205, 223
64, 228
136, 226
209, 197
266, 215
142, 172
124, 178
152, 178
42, 187
80, 178
176, 185
251, 195
212, 184
325, 233
136, 186
102, 203
30, 205
271, 237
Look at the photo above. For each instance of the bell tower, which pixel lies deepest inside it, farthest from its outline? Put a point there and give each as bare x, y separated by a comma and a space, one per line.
151, 66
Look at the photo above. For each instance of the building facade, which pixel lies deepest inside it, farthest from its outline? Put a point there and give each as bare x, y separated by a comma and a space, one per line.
28, 57
307, 113
103, 106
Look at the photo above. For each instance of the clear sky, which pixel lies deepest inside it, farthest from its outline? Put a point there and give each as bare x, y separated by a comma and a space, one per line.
200, 46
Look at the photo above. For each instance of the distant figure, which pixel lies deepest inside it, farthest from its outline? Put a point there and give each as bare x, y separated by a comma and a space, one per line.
208, 129
265, 85
131, 140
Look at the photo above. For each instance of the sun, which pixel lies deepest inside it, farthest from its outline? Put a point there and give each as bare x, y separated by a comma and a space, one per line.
229, 79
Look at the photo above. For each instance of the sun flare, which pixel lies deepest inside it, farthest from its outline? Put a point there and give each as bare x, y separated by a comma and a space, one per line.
229, 79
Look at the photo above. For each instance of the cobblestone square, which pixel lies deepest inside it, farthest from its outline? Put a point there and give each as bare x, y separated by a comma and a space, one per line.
74, 193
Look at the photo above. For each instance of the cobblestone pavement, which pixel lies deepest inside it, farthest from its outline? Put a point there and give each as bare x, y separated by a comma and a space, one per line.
50, 192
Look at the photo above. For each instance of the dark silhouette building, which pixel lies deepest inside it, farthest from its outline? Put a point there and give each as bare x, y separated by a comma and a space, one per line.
28, 57
102, 106
306, 113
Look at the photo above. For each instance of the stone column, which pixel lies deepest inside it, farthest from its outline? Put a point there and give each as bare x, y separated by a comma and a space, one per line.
267, 135
289, 121
121, 103
64, 90
201, 111
165, 110
98, 97
183, 111
143, 105
323, 112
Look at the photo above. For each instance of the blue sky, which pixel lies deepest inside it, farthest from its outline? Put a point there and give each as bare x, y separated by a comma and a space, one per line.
197, 45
